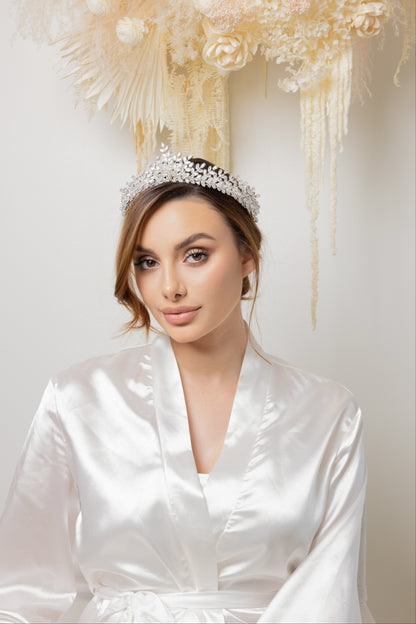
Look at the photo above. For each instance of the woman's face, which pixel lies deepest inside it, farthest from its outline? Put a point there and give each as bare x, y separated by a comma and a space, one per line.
189, 269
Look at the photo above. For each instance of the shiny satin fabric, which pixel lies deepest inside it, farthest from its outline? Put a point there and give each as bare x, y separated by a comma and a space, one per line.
275, 534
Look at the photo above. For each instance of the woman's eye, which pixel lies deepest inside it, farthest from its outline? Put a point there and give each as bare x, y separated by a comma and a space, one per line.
145, 263
194, 257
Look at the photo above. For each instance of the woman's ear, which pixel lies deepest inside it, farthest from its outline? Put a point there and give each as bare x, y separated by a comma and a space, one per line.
247, 262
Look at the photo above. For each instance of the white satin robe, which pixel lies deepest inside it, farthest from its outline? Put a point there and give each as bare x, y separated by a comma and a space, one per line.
274, 536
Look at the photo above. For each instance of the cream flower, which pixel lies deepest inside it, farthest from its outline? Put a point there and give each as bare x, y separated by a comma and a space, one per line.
227, 51
370, 17
296, 6
131, 30
99, 7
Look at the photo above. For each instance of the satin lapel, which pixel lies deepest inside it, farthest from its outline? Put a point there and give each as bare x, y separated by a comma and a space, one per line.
226, 478
188, 503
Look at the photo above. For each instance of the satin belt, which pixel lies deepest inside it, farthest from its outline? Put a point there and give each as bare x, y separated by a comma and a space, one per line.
148, 606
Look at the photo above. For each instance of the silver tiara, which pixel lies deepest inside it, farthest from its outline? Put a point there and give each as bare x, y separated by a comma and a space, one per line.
170, 168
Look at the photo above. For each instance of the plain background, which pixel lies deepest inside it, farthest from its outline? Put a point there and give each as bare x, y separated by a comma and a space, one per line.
61, 176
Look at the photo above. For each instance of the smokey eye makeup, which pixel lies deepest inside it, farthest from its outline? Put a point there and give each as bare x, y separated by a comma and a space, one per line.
144, 263
196, 256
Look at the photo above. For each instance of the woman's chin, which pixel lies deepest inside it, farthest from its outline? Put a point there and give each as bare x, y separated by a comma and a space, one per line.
186, 332
183, 333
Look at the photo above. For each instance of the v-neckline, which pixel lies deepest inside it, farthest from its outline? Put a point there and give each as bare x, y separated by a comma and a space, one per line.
229, 423
202, 514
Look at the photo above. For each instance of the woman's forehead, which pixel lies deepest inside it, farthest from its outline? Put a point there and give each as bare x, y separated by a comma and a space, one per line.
180, 218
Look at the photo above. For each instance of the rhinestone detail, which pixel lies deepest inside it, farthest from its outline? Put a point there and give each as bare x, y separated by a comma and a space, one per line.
169, 167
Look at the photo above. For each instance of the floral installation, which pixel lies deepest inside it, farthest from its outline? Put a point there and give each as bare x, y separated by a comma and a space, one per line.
166, 64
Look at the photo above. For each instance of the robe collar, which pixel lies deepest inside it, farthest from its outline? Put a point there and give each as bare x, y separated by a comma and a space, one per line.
201, 517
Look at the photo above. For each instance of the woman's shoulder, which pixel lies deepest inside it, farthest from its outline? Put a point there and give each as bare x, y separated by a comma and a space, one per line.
110, 368
303, 375
316, 393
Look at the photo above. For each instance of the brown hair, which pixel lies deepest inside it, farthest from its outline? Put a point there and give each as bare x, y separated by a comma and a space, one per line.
144, 205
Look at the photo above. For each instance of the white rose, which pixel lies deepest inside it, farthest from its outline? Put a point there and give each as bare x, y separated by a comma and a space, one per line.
370, 17
99, 7
228, 51
131, 30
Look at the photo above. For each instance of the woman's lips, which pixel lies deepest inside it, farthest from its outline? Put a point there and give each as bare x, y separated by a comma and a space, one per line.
180, 315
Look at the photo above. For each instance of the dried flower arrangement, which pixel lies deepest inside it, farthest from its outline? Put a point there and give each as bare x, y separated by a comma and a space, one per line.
166, 64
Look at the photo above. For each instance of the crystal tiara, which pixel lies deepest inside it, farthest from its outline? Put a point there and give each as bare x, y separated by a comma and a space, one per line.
177, 168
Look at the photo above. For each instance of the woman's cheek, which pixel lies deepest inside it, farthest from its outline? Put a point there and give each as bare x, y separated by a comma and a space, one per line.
145, 289
206, 282
223, 278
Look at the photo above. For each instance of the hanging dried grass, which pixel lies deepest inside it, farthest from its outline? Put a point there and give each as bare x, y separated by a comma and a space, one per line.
409, 26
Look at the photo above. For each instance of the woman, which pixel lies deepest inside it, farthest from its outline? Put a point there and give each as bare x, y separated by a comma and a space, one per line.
196, 478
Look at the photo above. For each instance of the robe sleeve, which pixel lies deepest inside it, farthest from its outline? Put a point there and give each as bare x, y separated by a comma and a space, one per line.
37, 580
328, 585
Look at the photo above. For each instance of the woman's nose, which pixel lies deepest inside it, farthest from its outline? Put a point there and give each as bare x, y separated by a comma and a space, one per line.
172, 287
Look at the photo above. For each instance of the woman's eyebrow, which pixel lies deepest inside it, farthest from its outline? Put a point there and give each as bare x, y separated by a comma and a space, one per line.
191, 239
188, 241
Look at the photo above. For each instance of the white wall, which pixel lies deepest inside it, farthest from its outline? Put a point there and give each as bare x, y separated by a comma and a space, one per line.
59, 225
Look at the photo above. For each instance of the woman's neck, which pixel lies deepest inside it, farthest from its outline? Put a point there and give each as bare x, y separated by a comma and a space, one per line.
217, 355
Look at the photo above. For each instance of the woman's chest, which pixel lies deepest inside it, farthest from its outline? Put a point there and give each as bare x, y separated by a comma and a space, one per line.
143, 502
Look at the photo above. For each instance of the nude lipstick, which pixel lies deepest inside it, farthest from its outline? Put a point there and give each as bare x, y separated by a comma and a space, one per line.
180, 315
